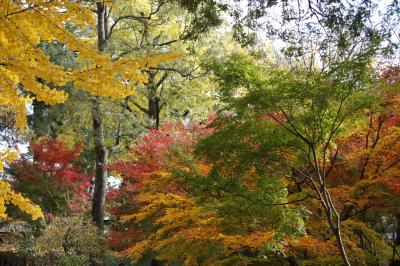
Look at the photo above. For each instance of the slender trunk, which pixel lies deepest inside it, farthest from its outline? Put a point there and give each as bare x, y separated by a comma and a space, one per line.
101, 26
100, 150
340, 244
38, 123
328, 205
100, 153
336, 230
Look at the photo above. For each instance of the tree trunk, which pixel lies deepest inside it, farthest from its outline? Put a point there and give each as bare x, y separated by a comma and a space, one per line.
100, 153
335, 228
396, 242
100, 150
39, 121
332, 215
292, 261
339, 241
154, 111
101, 26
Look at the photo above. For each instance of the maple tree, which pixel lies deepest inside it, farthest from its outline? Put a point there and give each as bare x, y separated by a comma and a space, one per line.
53, 180
162, 212
306, 110
367, 176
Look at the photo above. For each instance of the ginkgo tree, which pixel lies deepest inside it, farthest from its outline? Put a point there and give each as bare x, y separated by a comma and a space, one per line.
26, 71
22, 63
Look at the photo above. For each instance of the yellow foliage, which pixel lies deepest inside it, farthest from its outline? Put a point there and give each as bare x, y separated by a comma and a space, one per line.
185, 230
100, 78
7, 155
314, 246
137, 251
253, 240
22, 62
204, 168
8, 196
24, 24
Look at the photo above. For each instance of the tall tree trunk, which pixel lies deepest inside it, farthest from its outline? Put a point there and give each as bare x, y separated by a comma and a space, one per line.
332, 215
100, 149
100, 153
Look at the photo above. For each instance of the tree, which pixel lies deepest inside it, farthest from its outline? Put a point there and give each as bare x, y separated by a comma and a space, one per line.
53, 180
164, 211
307, 110
26, 69
104, 33
22, 63
154, 27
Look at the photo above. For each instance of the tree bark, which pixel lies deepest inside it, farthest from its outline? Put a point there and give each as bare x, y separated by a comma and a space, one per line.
334, 224
100, 153
39, 121
332, 215
100, 149
154, 111
292, 261
396, 242
153, 102
339, 241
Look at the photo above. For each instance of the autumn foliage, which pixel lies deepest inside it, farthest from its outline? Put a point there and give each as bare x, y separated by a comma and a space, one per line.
53, 179
159, 212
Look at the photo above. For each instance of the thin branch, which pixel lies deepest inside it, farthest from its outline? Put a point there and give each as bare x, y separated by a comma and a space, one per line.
144, 110
27, 9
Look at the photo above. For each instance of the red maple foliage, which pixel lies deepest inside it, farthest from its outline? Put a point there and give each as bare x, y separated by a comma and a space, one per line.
52, 179
152, 155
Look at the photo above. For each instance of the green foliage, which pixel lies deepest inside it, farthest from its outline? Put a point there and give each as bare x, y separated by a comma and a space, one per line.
282, 127
312, 107
236, 75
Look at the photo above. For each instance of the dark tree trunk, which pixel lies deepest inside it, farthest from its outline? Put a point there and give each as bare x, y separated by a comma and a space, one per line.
101, 26
100, 150
346, 212
154, 111
39, 122
292, 261
100, 153
396, 242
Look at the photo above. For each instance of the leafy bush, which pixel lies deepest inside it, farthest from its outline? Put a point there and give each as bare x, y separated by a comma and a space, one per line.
69, 241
